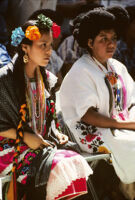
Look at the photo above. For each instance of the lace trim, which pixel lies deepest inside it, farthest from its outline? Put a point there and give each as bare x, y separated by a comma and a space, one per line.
66, 171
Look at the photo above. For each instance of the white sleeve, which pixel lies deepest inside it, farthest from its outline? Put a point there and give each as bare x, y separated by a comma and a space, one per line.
85, 94
78, 92
52, 79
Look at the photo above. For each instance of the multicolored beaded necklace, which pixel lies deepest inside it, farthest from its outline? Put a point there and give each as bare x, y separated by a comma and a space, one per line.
117, 87
36, 102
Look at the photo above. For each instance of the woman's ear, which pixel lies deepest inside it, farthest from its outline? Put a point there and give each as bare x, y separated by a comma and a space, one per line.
25, 47
90, 43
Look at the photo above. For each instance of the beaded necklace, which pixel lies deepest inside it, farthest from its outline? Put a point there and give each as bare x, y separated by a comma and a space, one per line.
36, 102
118, 87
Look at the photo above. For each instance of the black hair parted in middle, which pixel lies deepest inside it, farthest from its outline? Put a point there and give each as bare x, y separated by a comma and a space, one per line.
18, 72
89, 25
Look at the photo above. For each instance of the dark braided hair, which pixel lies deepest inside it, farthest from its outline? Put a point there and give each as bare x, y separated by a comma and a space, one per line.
19, 64
20, 85
18, 72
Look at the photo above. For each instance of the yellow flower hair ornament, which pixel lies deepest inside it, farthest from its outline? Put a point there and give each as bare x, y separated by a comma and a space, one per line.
32, 33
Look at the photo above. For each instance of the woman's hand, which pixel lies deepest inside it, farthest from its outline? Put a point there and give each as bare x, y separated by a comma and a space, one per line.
35, 141
63, 139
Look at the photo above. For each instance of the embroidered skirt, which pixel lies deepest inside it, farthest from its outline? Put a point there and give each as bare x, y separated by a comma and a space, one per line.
68, 175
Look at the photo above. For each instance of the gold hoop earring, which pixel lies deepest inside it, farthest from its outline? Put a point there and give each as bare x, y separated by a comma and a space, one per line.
25, 58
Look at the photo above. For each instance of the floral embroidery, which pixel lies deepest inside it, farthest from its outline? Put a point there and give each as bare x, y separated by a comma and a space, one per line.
103, 149
29, 156
86, 128
90, 136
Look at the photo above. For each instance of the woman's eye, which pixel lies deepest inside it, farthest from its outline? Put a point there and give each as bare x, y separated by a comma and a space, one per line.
104, 39
43, 45
114, 39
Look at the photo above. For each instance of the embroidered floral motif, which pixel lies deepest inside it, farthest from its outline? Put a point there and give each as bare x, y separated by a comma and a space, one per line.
86, 128
90, 136
103, 149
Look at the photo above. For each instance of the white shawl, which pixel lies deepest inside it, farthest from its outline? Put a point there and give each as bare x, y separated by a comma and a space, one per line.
84, 87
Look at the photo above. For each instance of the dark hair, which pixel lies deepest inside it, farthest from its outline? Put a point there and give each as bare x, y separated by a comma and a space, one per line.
18, 72
89, 6
91, 23
83, 9
121, 18
53, 15
131, 12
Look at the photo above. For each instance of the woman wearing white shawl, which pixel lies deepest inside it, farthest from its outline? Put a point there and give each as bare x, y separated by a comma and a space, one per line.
98, 94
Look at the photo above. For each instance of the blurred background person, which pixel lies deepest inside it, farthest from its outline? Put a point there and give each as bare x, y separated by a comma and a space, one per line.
4, 56
69, 50
21, 10
125, 51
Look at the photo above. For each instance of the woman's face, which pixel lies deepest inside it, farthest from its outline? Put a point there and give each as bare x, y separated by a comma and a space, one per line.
104, 45
40, 51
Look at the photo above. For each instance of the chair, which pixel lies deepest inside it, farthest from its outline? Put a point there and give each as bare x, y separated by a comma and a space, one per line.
92, 159
3, 179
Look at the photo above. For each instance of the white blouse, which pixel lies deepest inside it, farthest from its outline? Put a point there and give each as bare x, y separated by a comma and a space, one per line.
84, 87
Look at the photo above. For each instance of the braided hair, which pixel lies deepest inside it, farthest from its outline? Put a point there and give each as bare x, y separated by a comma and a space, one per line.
19, 81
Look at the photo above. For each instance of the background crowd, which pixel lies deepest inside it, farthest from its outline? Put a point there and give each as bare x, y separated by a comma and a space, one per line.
66, 51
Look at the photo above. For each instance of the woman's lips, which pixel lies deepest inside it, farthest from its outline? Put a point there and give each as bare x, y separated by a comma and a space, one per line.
47, 59
110, 51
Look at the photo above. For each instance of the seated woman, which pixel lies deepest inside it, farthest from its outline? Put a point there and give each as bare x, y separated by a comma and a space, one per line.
29, 133
98, 94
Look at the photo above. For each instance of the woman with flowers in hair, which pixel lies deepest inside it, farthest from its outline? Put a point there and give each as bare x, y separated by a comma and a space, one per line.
30, 136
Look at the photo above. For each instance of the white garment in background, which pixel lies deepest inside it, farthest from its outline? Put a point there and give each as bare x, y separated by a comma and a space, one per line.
55, 63
84, 87
122, 3
71, 2
22, 9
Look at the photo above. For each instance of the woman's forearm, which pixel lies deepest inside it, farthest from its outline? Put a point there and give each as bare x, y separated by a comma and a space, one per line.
96, 119
10, 133
33, 141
